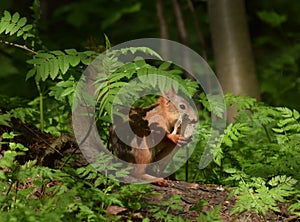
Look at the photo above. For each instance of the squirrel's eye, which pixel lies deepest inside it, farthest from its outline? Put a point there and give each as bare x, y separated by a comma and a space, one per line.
182, 106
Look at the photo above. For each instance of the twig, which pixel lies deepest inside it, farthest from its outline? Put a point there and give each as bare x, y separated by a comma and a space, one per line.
24, 47
164, 31
198, 30
183, 36
180, 22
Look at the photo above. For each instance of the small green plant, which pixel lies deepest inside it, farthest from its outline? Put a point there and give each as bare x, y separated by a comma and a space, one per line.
162, 212
12, 145
260, 150
15, 25
258, 195
295, 207
211, 216
38, 193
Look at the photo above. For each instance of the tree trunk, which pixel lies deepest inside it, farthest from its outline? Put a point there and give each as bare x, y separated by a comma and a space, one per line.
234, 60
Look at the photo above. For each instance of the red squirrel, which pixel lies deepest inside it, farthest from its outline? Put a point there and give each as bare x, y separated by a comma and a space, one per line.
160, 127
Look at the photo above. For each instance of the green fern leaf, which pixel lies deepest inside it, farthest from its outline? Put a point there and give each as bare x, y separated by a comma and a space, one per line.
27, 35
63, 63
116, 77
14, 24
86, 60
154, 79
278, 130
152, 70
150, 52
5, 119
71, 51
140, 62
14, 30
285, 122
74, 60
22, 22
43, 71
117, 85
294, 208
7, 15
3, 26
293, 127
296, 114
67, 92
107, 42
20, 32
164, 66
57, 52
103, 89
15, 18
142, 71
108, 98
31, 73
44, 55
162, 84
53, 68
27, 28
9, 28
36, 61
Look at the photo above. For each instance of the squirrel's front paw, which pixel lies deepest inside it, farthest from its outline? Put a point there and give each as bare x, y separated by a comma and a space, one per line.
178, 139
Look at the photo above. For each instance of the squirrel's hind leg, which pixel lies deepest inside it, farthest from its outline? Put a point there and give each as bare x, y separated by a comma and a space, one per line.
142, 158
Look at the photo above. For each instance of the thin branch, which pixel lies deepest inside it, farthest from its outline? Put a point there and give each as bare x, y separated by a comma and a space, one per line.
24, 47
180, 22
164, 31
198, 30
200, 37
183, 36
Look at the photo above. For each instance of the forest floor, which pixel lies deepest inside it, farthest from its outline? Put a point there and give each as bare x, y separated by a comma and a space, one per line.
192, 194
195, 198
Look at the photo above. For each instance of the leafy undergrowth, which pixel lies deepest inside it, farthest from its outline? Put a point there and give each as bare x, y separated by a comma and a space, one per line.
44, 177
70, 192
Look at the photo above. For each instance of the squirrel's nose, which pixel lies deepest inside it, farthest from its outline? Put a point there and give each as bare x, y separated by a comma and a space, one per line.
192, 118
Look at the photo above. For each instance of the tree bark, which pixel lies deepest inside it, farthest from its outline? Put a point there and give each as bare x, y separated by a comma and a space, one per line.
198, 30
234, 60
164, 31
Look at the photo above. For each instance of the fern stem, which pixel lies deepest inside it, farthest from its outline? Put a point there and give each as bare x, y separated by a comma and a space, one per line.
41, 106
9, 188
187, 165
267, 133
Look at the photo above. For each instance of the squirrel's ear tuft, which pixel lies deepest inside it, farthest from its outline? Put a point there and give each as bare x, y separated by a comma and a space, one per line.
169, 94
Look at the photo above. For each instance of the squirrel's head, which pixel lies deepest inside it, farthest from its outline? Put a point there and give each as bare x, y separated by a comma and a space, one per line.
179, 106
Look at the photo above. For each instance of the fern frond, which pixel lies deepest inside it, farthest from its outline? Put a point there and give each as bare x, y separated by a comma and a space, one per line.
234, 132
13, 24
56, 62
133, 50
260, 198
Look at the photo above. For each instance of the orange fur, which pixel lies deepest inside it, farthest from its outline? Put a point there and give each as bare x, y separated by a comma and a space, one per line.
154, 125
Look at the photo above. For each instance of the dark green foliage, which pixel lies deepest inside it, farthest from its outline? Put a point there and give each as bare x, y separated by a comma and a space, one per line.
259, 155
211, 216
260, 151
276, 47
14, 25
56, 63
149, 78
161, 212
258, 195
37, 193
265, 142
